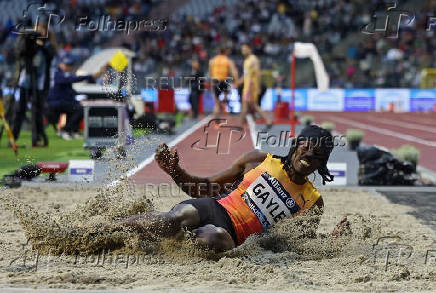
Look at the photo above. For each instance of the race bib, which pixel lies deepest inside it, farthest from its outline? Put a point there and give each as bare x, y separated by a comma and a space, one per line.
269, 200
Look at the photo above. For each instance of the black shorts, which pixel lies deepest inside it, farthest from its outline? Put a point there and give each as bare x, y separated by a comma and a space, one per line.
220, 87
211, 212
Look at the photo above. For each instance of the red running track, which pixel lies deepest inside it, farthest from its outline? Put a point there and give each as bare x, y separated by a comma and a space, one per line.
206, 157
390, 130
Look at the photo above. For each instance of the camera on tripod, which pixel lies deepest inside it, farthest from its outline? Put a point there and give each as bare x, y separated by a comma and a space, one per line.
34, 55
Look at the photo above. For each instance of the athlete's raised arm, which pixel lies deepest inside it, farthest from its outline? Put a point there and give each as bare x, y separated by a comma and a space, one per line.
196, 186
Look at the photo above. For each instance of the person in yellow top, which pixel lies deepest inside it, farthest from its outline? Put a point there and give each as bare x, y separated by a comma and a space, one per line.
252, 81
222, 71
250, 196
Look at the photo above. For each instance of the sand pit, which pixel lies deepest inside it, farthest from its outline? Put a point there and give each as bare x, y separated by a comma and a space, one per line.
70, 255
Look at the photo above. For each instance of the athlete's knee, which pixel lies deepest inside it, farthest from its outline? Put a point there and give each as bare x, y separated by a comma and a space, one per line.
221, 235
221, 241
215, 238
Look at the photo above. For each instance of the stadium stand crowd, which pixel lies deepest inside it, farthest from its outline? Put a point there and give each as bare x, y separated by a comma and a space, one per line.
197, 28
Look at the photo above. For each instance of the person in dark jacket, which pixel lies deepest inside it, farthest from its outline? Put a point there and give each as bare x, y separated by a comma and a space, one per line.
34, 60
196, 87
61, 97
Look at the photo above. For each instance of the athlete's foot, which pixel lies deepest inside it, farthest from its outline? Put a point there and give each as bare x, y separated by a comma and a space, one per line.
65, 135
77, 135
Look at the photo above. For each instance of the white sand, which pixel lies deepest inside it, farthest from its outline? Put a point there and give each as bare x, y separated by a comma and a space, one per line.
277, 260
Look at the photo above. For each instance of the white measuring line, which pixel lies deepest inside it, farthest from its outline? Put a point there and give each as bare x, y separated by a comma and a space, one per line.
388, 132
172, 143
252, 126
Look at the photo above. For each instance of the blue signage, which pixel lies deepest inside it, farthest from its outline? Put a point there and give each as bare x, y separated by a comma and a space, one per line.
359, 100
422, 100
285, 96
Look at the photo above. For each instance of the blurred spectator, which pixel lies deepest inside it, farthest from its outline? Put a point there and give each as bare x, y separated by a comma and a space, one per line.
269, 26
196, 87
61, 98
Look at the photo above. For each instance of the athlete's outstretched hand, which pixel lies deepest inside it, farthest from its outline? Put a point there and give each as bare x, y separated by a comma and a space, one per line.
167, 159
342, 228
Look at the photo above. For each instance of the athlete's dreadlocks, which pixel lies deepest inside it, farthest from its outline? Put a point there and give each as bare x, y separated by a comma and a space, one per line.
322, 138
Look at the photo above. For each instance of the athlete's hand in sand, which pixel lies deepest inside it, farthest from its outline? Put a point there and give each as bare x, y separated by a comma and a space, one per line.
168, 160
342, 228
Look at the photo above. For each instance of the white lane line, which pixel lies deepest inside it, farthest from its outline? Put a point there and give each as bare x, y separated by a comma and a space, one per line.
172, 143
418, 120
252, 127
408, 125
386, 132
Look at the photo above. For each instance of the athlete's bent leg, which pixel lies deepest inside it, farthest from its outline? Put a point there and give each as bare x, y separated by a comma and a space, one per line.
244, 112
225, 102
261, 113
216, 107
215, 238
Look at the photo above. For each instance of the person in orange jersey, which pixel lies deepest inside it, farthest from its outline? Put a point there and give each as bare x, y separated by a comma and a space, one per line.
249, 197
223, 72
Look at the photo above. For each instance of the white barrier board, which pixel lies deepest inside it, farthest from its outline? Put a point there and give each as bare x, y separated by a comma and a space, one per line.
81, 170
339, 170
